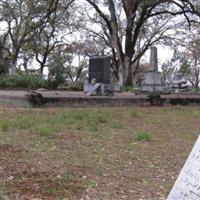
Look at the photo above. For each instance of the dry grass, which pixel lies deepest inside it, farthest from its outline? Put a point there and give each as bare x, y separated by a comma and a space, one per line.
97, 153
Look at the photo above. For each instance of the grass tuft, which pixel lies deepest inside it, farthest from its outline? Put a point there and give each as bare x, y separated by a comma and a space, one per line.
117, 125
25, 123
143, 136
6, 125
42, 130
133, 114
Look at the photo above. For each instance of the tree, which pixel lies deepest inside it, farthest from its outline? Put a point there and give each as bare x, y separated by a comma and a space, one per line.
22, 17
187, 63
57, 70
192, 55
135, 15
49, 36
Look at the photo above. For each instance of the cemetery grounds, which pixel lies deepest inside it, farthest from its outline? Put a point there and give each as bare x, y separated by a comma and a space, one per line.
94, 153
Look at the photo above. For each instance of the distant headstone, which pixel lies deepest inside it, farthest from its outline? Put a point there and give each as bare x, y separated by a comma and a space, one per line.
187, 185
152, 81
99, 69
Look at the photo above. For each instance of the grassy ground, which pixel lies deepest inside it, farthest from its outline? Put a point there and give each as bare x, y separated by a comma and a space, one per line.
96, 153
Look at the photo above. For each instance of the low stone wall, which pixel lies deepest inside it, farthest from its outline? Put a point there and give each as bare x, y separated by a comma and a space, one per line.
86, 101
37, 99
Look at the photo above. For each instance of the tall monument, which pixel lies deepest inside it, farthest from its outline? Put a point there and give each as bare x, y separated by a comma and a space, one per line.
152, 81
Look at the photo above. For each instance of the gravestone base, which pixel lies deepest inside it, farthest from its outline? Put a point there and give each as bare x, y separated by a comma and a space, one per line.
152, 83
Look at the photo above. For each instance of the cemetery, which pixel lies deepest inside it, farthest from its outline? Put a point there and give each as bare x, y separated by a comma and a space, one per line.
100, 91
104, 143
99, 100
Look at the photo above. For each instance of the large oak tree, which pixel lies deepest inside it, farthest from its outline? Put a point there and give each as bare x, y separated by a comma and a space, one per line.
136, 15
21, 19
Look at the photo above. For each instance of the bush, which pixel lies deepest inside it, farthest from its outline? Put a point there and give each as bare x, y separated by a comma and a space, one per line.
22, 81
56, 71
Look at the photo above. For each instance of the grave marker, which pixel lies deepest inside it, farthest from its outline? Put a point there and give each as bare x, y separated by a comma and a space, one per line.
99, 69
187, 185
152, 82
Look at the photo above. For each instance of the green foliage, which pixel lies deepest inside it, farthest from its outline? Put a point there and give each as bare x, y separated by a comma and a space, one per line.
178, 63
25, 123
56, 71
22, 81
133, 114
185, 66
143, 136
127, 88
94, 126
75, 86
5, 125
42, 130
117, 125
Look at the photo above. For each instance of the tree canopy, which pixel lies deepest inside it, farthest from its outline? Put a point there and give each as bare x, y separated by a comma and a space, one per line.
37, 31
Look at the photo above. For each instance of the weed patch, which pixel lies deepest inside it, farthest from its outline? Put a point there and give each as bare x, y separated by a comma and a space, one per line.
144, 136
6, 125
117, 125
42, 130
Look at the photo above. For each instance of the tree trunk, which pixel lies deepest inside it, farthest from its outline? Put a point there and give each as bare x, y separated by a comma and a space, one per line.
125, 72
120, 76
41, 71
13, 67
123, 75
196, 88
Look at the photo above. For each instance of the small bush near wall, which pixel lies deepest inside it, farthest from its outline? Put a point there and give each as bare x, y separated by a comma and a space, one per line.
22, 81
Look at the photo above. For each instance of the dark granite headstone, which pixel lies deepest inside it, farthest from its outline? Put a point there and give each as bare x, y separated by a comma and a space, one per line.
99, 69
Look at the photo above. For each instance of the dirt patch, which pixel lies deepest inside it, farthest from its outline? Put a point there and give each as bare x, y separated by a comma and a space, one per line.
45, 185
6, 148
29, 181
68, 137
8, 107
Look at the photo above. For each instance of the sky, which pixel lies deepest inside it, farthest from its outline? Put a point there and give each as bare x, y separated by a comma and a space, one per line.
164, 54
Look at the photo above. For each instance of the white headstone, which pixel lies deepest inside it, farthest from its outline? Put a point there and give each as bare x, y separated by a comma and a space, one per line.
187, 185
152, 80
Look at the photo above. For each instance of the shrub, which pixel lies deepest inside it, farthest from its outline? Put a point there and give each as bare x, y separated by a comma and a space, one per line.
56, 71
22, 81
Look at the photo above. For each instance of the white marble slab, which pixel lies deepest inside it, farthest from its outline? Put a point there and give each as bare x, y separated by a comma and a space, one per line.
187, 185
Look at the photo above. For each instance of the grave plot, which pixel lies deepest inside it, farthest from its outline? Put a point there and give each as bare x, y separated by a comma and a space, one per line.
94, 153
